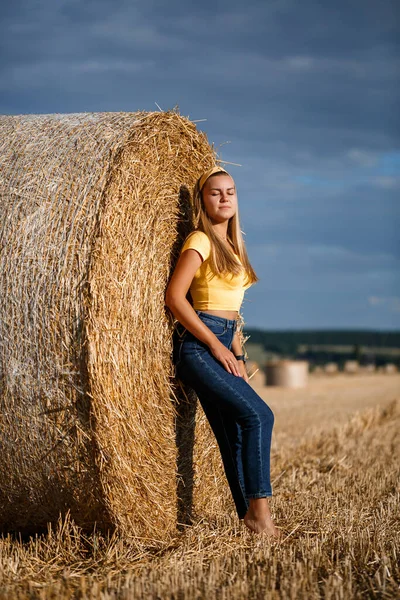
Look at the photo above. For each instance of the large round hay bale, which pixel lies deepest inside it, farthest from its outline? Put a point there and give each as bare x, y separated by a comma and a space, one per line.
91, 206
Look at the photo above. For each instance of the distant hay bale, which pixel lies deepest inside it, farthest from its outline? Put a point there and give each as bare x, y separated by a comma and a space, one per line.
287, 373
367, 368
390, 368
351, 366
331, 368
88, 233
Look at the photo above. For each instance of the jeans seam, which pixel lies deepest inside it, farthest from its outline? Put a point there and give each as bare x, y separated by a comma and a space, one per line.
260, 478
232, 457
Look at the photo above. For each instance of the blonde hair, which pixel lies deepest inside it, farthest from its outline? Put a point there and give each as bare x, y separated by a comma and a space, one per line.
222, 260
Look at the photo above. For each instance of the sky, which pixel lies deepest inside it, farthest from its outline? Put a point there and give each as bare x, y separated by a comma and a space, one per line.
303, 95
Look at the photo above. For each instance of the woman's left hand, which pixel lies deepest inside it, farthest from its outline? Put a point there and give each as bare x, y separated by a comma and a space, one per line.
242, 370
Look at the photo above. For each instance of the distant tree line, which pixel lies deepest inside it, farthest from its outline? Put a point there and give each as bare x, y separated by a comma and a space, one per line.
320, 347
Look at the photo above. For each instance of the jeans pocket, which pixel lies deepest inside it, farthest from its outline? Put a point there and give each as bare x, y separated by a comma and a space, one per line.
218, 329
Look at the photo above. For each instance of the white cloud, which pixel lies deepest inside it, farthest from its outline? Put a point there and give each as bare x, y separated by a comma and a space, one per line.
375, 300
50, 71
99, 66
362, 157
125, 30
300, 62
387, 183
392, 303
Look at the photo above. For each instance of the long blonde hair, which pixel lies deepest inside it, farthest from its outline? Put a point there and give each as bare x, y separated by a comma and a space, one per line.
222, 260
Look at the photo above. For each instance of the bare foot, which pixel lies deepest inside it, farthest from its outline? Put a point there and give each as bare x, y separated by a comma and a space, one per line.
267, 526
258, 518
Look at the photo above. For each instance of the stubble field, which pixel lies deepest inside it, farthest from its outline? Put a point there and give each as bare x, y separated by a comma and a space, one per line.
335, 471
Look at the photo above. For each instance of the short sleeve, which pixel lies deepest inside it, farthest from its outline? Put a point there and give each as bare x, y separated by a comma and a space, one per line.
199, 241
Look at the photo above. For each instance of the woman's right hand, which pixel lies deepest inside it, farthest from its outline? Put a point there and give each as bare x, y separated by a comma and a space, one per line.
225, 357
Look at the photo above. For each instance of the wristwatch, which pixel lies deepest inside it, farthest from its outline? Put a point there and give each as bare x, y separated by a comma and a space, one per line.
241, 357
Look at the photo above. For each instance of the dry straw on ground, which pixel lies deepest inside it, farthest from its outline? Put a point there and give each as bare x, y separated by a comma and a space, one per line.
89, 228
336, 501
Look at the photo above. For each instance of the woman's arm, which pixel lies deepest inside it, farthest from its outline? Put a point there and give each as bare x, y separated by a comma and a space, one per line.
236, 345
237, 351
175, 298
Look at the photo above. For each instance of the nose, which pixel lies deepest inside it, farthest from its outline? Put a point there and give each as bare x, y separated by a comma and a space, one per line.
224, 196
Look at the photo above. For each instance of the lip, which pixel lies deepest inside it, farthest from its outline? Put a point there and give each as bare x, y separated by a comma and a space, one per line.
225, 207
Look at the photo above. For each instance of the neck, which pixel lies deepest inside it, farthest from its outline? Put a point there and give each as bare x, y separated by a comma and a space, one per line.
221, 230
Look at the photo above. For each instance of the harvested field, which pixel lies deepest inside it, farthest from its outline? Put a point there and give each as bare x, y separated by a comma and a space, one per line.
335, 468
325, 402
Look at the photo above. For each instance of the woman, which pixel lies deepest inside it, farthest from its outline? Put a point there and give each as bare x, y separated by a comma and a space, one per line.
214, 266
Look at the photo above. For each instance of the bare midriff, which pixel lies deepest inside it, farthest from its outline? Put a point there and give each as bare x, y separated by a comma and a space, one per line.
225, 314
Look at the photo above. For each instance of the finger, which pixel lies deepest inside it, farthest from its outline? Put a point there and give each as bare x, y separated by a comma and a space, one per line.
237, 369
233, 363
225, 362
230, 366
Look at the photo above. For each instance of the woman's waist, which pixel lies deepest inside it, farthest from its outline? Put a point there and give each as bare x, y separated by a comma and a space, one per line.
223, 328
230, 315
230, 322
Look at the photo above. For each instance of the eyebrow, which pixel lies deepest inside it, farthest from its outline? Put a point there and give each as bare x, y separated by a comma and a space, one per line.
219, 189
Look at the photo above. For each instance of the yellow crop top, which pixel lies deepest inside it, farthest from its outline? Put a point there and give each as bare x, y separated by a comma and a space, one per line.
210, 291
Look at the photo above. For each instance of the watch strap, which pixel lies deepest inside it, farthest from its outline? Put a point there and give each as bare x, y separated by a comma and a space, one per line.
241, 357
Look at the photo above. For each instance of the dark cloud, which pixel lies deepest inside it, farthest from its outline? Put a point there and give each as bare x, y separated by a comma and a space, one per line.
307, 93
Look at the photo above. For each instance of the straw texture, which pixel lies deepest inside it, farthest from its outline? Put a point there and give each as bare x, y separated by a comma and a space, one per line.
93, 210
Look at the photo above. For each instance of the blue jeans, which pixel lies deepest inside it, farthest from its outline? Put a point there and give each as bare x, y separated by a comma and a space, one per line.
241, 421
